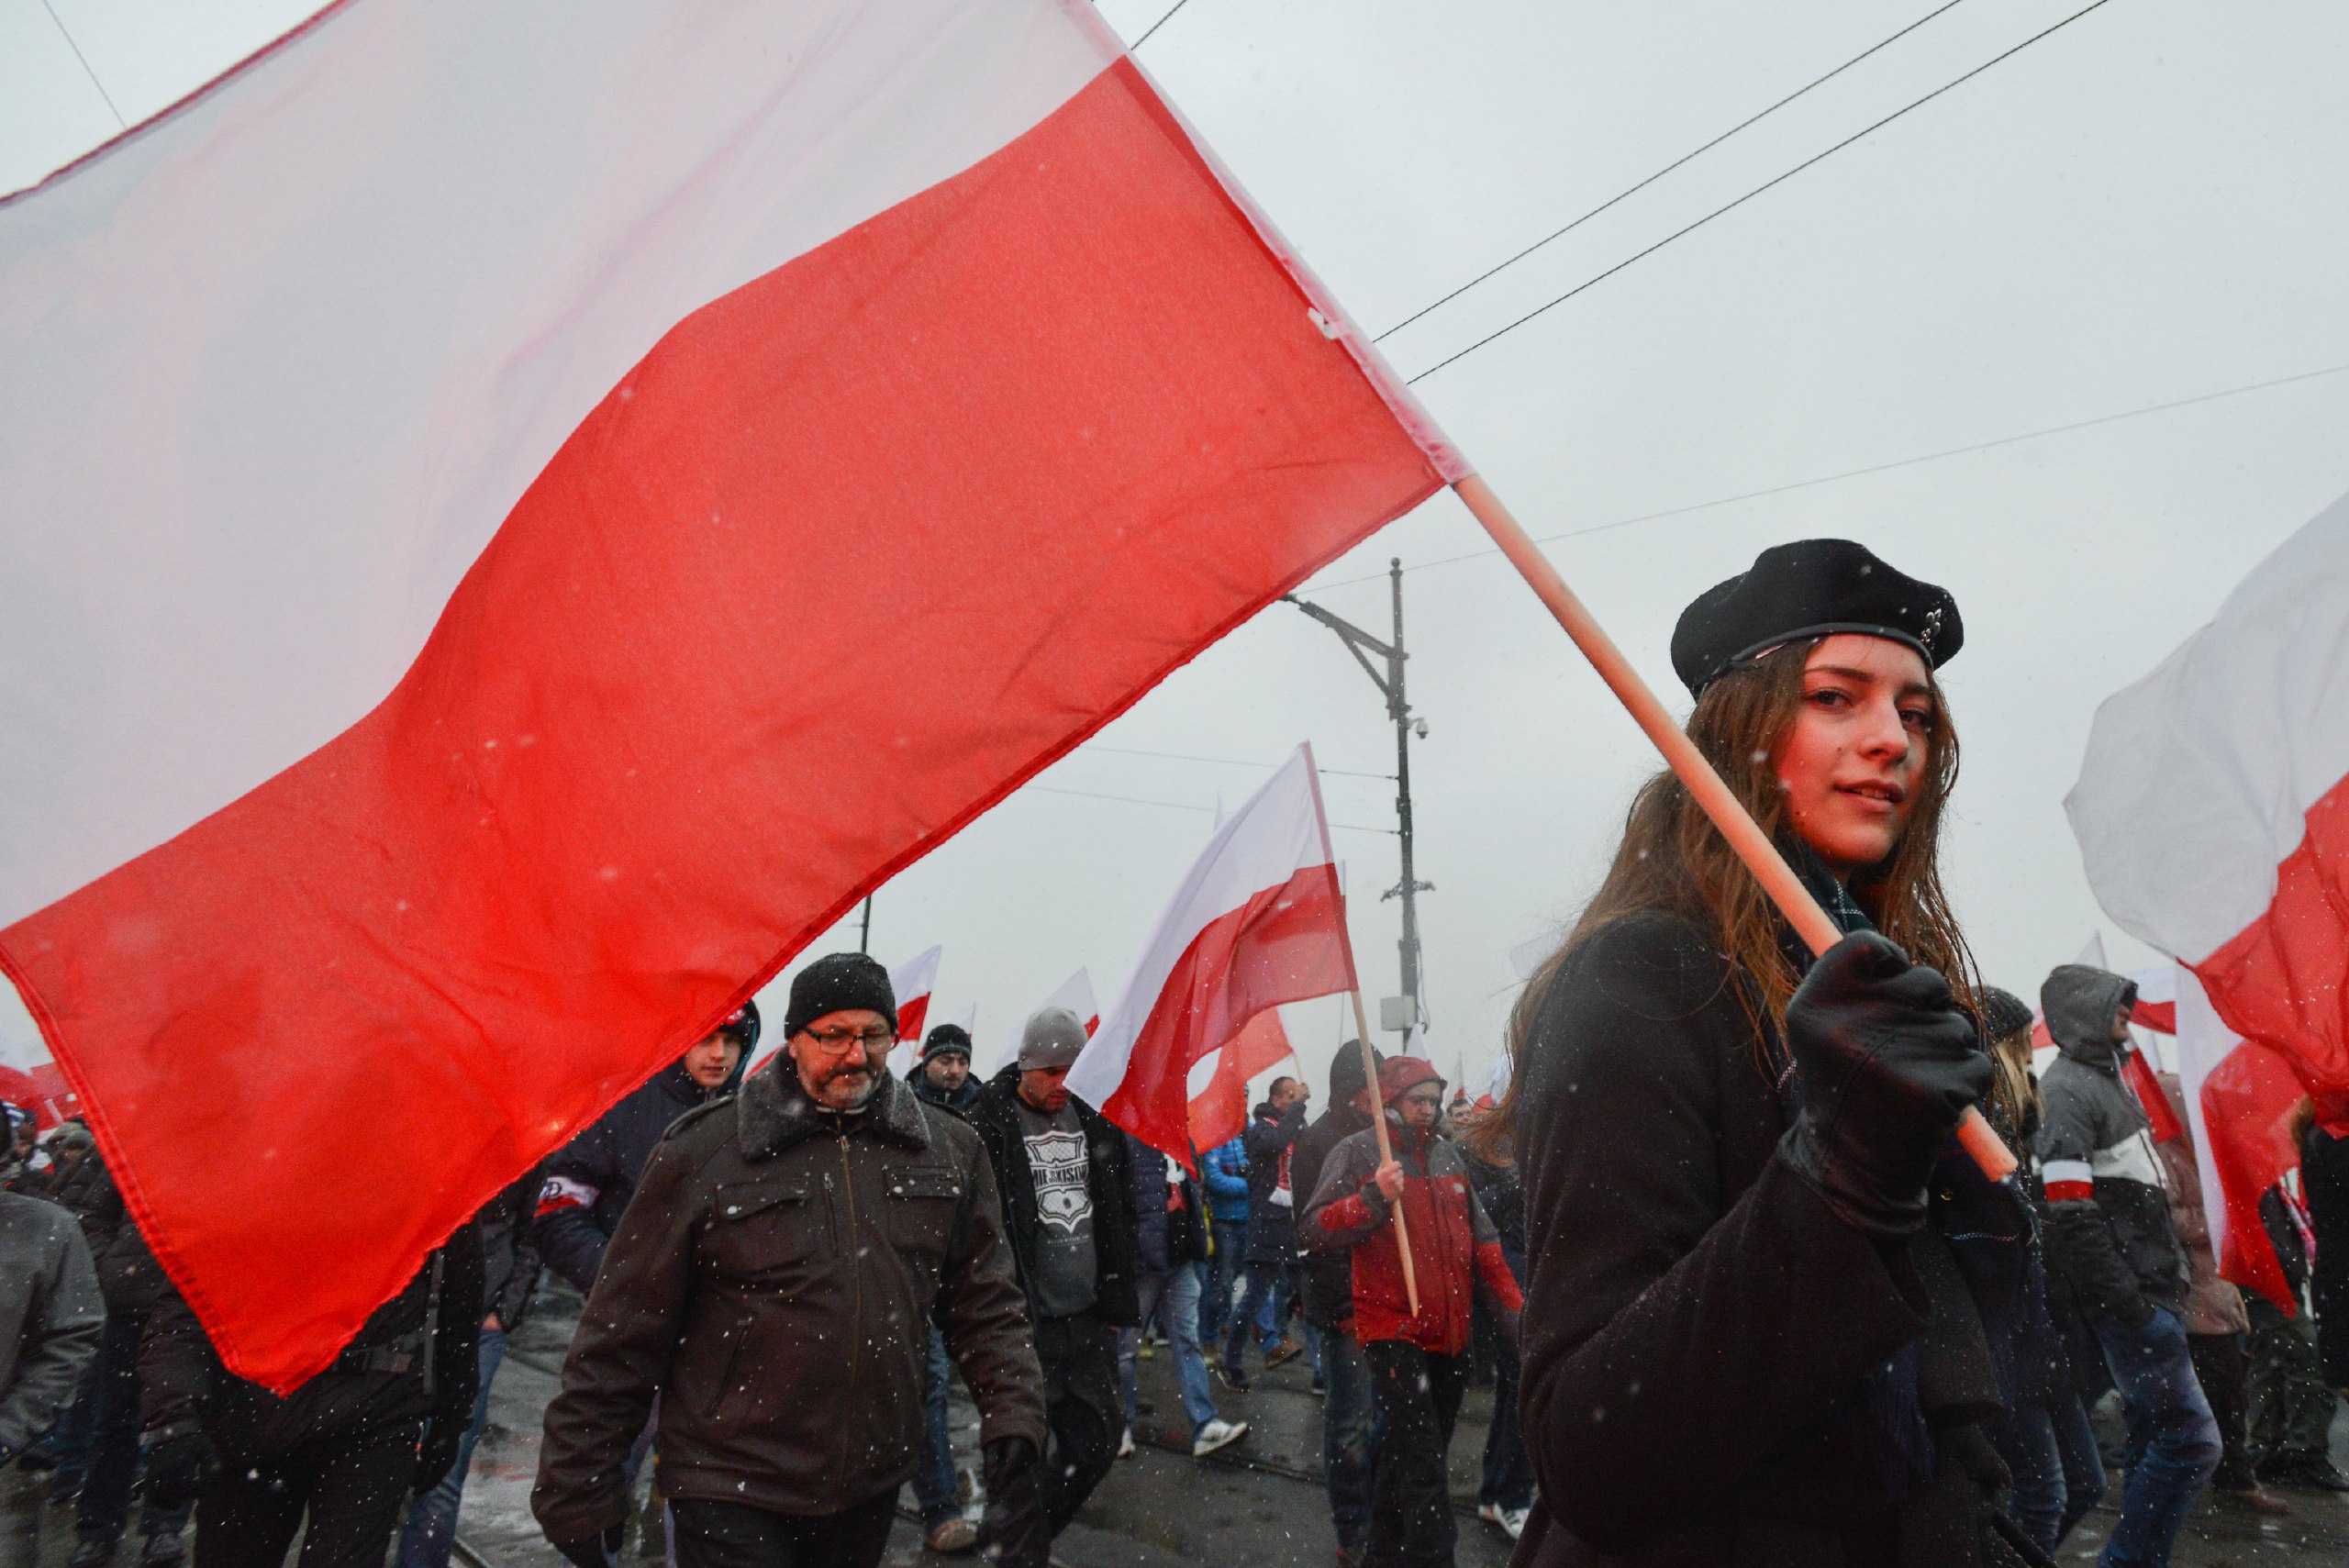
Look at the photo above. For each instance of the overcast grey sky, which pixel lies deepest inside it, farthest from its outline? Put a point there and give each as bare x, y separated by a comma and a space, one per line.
2147, 207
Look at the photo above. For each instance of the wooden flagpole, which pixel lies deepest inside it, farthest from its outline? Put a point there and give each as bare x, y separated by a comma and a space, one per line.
1727, 812
1385, 1148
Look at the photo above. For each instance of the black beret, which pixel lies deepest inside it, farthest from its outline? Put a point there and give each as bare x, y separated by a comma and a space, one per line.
1811, 589
838, 983
2003, 1013
947, 1040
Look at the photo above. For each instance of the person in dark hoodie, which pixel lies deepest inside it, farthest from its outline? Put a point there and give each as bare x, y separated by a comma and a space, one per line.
590, 1179
2109, 1217
942, 1078
1068, 1213
1272, 1229
1748, 1339
1326, 1285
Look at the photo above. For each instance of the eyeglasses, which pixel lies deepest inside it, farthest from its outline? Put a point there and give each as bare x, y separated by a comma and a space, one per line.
841, 1039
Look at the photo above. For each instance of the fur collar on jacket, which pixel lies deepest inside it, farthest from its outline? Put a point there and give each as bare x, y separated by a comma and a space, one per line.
776, 1112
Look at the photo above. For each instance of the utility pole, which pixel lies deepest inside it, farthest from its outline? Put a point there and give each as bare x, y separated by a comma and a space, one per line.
864, 936
1399, 708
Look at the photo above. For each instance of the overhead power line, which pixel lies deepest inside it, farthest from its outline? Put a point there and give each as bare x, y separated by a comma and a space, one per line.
76, 48
1631, 191
1170, 805
1156, 25
1856, 472
1767, 185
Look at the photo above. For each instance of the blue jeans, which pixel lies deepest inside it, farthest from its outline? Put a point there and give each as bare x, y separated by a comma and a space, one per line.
2059, 1475
1349, 1438
1176, 1298
1263, 1305
110, 1455
1223, 1266
934, 1477
2174, 1443
431, 1529
1508, 1469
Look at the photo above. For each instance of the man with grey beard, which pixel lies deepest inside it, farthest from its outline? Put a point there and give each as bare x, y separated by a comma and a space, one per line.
772, 1280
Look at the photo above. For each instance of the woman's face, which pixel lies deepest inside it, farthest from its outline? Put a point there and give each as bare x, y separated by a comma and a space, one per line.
1861, 742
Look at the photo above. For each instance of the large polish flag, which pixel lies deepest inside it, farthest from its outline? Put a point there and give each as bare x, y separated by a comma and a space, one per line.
2212, 812
1258, 921
497, 497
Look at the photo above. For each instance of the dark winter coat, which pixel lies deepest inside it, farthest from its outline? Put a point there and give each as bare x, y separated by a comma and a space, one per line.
417, 1358
50, 1317
773, 1283
2324, 1179
1325, 1280
590, 1179
509, 1251
1109, 1178
2110, 1232
1146, 1179
1268, 1144
1453, 1247
1702, 1331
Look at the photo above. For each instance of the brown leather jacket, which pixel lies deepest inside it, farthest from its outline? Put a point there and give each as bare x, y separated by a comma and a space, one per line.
772, 1280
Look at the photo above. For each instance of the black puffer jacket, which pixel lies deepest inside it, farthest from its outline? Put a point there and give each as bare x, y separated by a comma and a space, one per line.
590, 1178
997, 1116
2108, 1224
2324, 1177
1325, 1280
1270, 1142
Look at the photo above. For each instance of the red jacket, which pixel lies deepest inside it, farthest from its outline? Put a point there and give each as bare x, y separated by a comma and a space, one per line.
1453, 1246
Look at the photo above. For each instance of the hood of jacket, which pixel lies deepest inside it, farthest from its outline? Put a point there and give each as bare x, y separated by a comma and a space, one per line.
776, 1112
2078, 1003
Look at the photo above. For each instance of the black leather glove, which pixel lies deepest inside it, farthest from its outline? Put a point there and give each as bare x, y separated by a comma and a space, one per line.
180, 1466
1887, 1065
1969, 1447
1012, 1530
437, 1456
594, 1551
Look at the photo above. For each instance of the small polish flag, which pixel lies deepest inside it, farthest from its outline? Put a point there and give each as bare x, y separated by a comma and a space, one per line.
1075, 993
1257, 922
2212, 813
1219, 1113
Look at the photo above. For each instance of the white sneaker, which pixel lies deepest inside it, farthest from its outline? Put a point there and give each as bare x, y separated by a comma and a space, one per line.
1126, 1444
1510, 1520
1216, 1435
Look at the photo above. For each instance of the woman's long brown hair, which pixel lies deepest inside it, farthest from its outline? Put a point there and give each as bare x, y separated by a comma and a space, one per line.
1672, 858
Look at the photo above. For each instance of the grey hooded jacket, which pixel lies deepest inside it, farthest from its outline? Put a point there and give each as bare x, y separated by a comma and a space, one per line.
2109, 1221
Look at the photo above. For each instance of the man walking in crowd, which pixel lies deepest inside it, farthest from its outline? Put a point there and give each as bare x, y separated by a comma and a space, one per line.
50, 1319
769, 1283
510, 1276
1266, 1146
942, 1078
1418, 1358
1325, 1282
1224, 1168
337, 1460
2292, 1402
1170, 1241
2214, 1319
591, 1179
2112, 1238
106, 1408
1068, 1211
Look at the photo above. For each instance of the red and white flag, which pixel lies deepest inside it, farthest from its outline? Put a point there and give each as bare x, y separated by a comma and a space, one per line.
2212, 813
912, 983
497, 498
1074, 994
1257, 922
1219, 1113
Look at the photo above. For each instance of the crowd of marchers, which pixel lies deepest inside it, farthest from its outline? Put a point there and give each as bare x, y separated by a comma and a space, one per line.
1746, 1298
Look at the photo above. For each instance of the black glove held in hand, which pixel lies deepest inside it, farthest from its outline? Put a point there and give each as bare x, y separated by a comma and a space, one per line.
1887, 1065
179, 1468
1012, 1531
596, 1552
437, 1456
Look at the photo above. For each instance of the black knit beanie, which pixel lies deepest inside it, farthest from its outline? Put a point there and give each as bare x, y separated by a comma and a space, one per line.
947, 1040
838, 983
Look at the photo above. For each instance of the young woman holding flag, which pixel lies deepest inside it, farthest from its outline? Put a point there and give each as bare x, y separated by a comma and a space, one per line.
1747, 1338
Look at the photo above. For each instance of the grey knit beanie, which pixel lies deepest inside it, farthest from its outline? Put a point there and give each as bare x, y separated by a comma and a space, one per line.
1053, 1039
